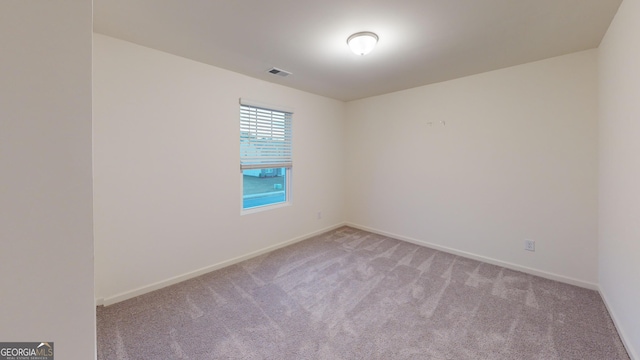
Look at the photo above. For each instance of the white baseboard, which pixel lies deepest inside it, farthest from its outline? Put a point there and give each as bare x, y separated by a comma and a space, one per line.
508, 265
623, 336
176, 279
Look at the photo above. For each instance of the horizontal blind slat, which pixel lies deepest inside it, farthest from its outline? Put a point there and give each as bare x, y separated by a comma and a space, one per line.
265, 138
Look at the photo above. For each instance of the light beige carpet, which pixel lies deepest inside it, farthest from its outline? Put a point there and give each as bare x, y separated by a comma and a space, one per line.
350, 294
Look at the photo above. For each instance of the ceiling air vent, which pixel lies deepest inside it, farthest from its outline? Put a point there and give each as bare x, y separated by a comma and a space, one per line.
279, 72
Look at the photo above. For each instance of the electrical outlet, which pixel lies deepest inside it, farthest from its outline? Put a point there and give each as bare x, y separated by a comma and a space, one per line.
319, 215
530, 245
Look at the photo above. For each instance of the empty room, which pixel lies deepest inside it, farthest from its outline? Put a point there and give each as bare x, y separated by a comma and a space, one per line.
321, 180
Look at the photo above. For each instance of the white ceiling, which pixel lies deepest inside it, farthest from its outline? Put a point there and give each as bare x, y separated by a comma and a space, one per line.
421, 41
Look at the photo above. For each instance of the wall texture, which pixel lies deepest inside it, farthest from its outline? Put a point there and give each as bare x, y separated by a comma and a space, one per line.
167, 184
46, 260
479, 164
619, 189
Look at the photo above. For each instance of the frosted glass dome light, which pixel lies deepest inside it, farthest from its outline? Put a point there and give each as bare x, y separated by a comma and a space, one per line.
362, 43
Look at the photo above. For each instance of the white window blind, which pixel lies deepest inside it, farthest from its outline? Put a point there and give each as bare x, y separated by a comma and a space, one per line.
265, 138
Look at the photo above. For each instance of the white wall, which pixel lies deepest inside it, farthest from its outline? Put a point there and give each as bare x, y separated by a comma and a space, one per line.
515, 160
619, 181
167, 184
46, 261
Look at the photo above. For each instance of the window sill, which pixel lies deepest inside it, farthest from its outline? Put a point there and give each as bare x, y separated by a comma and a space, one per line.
258, 209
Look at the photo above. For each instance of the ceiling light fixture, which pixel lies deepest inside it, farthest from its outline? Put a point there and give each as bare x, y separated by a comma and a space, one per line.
362, 43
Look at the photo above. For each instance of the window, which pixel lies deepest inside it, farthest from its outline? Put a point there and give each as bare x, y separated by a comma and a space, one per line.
265, 155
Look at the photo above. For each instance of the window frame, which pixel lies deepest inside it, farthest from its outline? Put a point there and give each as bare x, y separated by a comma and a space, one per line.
270, 121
